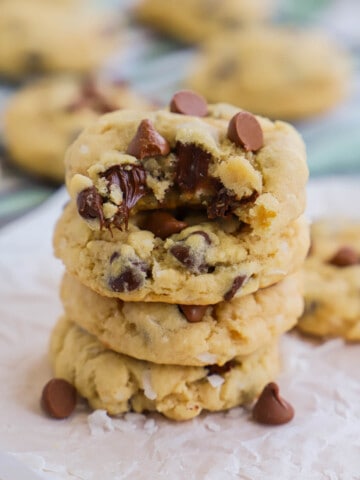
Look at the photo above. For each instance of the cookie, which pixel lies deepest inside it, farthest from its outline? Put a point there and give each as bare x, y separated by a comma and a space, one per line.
43, 118
193, 21
209, 157
332, 281
118, 383
38, 37
205, 263
272, 71
182, 334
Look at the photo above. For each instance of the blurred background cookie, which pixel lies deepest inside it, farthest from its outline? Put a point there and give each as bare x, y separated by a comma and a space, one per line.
44, 117
273, 71
38, 36
192, 21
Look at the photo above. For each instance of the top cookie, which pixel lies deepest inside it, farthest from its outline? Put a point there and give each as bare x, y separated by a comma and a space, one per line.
43, 118
216, 158
276, 72
193, 21
37, 37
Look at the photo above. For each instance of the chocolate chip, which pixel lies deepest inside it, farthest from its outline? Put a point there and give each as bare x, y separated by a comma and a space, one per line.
91, 97
202, 234
237, 283
131, 180
245, 131
163, 224
187, 102
183, 254
147, 142
34, 62
192, 167
221, 369
345, 257
226, 69
222, 204
89, 204
130, 279
270, 408
193, 313
58, 398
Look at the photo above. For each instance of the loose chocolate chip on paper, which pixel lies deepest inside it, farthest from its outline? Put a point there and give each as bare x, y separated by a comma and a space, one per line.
58, 398
245, 131
270, 408
237, 283
147, 142
89, 205
193, 313
187, 102
345, 257
163, 224
192, 167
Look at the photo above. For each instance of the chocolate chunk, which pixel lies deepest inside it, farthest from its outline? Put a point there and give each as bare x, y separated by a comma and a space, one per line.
237, 283
227, 67
192, 167
163, 224
221, 369
89, 204
187, 102
192, 260
345, 257
270, 408
193, 313
202, 234
222, 204
183, 254
147, 142
131, 278
58, 398
131, 180
91, 97
245, 131
34, 62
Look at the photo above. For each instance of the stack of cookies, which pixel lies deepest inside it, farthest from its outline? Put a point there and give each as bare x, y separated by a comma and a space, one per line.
182, 242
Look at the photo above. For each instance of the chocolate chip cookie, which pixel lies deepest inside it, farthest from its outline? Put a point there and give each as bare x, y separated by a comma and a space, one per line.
200, 262
332, 280
39, 37
193, 21
273, 71
43, 118
186, 334
214, 158
118, 383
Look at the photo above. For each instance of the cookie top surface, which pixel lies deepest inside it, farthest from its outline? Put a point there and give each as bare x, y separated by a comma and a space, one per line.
118, 383
186, 335
205, 263
193, 21
224, 161
277, 72
43, 118
37, 37
332, 280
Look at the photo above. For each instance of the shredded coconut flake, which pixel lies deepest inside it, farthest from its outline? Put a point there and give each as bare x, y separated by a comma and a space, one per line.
84, 149
211, 425
100, 422
215, 380
208, 358
148, 390
150, 426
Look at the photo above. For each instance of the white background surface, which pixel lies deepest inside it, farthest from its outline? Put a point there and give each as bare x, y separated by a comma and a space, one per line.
321, 381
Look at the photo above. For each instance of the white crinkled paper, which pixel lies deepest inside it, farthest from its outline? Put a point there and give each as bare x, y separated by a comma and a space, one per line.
322, 381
